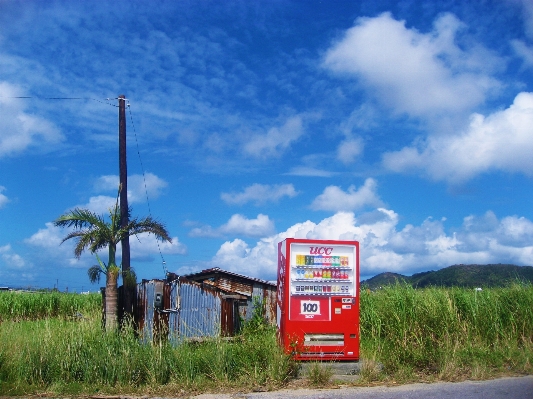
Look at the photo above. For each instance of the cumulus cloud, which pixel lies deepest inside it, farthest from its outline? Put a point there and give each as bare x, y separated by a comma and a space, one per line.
20, 130
349, 150
385, 247
260, 194
421, 74
100, 204
145, 246
276, 140
137, 189
12, 260
238, 225
523, 51
3, 198
309, 171
49, 237
138, 186
335, 199
527, 7
500, 141
142, 247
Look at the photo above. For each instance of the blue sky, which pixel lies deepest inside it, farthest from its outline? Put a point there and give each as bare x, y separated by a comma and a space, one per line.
406, 125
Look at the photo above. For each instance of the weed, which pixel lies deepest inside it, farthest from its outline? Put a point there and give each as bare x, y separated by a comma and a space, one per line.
319, 374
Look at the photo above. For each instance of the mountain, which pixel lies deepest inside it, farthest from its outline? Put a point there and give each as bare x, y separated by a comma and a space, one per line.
472, 276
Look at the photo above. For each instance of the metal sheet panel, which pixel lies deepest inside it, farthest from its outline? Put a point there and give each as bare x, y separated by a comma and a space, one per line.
264, 295
234, 286
147, 317
200, 311
173, 307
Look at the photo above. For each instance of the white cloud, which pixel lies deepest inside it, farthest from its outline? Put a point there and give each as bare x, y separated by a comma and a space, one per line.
523, 51
50, 237
145, 246
238, 225
412, 72
138, 186
3, 198
205, 231
501, 141
20, 130
335, 199
362, 118
349, 150
528, 16
142, 247
276, 140
260, 194
309, 172
481, 240
100, 204
11, 259
49, 243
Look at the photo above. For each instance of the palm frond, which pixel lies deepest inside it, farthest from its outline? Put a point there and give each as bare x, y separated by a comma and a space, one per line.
79, 218
94, 273
148, 225
129, 277
84, 241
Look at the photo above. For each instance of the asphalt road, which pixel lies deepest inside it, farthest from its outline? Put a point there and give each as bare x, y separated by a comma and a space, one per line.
502, 388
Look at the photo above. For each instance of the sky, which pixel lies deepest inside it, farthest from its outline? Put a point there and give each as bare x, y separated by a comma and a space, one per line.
404, 125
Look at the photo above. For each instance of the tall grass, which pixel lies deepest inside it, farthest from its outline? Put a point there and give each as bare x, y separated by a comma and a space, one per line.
448, 333
39, 305
65, 355
426, 334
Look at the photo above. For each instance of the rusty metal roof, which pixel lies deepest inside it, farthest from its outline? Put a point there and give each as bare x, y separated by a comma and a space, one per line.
218, 272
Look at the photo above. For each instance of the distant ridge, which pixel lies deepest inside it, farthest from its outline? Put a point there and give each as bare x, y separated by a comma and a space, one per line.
493, 275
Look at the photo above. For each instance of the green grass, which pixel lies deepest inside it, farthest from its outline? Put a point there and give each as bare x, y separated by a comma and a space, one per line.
448, 333
429, 334
65, 355
39, 305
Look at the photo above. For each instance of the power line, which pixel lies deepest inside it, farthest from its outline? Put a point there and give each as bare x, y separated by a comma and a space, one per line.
145, 187
107, 101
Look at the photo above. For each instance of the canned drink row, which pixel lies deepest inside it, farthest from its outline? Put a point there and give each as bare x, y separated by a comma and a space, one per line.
343, 289
333, 261
321, 274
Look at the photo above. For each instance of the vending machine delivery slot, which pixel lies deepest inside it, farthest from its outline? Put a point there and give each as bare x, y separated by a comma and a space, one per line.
317, 299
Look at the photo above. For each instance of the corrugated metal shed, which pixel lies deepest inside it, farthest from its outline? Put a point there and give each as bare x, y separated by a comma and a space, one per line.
252, 290
177, 310
206, 304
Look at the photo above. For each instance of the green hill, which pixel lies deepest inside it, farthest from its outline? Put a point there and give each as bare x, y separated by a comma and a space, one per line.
497, 275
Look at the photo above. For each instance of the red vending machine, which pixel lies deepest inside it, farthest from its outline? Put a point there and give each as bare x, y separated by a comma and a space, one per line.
317, 299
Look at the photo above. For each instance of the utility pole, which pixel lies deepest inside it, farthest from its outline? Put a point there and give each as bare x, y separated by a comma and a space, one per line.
123, 172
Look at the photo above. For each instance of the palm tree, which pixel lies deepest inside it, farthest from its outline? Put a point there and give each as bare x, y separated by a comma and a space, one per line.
94, 233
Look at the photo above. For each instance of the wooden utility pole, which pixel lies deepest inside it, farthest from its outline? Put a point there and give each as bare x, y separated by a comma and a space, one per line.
123, 172
123, 168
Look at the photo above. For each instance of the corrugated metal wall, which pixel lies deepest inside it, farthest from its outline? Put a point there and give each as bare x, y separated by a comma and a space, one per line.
200, 311
149, 321
192, 310
260, 294
187, 310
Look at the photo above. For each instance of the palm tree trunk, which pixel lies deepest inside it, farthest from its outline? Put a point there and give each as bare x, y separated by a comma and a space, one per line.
111, 300
111, 291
